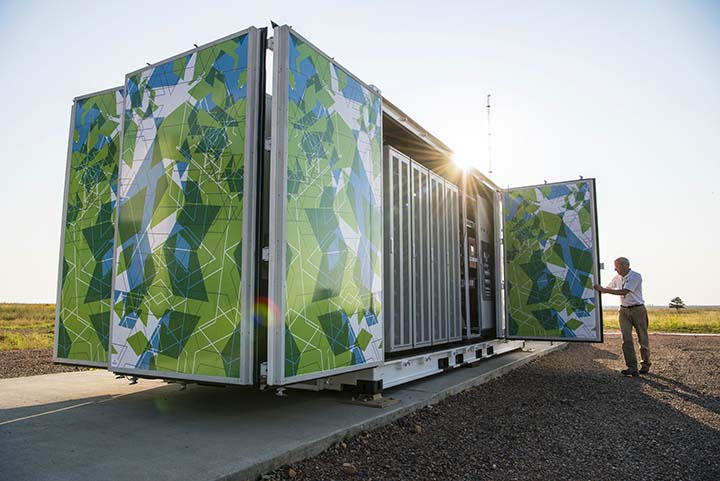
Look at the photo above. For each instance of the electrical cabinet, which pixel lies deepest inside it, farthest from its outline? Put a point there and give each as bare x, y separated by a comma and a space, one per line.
422, 222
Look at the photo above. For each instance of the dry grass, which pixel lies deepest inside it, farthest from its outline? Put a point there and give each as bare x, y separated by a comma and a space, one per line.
32, 326
26, 326
695, 320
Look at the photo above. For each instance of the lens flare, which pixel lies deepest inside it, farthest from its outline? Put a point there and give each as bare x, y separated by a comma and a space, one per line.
267, 313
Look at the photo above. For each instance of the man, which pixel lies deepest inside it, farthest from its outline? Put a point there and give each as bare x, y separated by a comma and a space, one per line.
628, 285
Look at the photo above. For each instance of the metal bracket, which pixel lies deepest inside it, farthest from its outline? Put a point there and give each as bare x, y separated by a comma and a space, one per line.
266, 258
271, 43
268, 144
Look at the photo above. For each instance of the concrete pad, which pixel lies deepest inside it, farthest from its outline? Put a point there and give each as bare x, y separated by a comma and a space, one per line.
88, 425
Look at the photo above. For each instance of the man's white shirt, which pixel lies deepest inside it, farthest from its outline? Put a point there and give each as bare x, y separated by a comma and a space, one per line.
632, 282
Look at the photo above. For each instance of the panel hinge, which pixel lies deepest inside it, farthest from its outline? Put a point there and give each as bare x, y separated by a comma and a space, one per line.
268, 144
266, 254
271, 43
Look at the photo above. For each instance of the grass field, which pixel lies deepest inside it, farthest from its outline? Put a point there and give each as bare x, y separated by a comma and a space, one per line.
696, 320
26, 326
32, 326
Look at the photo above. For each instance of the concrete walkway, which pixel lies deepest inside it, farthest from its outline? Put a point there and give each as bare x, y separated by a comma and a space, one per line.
88, 425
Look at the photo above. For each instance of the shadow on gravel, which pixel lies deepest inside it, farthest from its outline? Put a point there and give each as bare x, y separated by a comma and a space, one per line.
599, 353
663, 383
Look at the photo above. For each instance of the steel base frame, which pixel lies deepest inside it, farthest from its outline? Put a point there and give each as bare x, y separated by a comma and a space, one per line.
403, 370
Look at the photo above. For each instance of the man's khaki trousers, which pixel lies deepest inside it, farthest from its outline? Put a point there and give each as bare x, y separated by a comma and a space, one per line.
636, 317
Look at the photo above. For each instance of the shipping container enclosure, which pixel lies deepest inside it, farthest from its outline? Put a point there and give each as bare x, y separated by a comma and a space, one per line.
317, 237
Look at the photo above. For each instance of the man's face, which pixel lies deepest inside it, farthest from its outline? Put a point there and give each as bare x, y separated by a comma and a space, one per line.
621, 269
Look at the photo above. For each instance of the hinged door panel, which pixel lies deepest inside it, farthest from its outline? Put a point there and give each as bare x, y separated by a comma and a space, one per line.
86, 249
551, 262
184, 259
326, 217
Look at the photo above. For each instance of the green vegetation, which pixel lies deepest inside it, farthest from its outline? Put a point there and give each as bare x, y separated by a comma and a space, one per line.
32, 326
26, 326
694, 320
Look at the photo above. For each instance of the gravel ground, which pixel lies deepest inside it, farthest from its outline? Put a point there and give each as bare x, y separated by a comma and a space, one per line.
31, 362
567, 416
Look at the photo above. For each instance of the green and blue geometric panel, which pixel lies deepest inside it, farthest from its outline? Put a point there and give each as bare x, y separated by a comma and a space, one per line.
333, 298
84, 302
551, 262
177, 291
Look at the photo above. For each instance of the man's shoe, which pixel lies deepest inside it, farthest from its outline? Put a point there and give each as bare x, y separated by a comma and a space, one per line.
629, 372
644, 370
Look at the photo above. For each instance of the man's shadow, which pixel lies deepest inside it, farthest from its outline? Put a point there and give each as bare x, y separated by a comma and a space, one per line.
664, 383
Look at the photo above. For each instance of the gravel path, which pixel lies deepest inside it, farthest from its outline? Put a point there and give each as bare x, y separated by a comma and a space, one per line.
30, 362
567, 416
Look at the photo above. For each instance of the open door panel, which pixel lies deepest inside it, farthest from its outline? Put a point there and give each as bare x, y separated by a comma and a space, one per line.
551, 262
186, 216
84, 276
325, 262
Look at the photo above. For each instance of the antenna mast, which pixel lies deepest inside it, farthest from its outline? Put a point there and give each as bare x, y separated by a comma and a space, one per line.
488, 141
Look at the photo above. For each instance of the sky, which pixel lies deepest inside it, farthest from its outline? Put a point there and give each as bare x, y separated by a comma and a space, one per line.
625, 92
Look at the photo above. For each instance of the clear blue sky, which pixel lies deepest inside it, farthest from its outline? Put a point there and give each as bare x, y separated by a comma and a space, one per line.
626, 92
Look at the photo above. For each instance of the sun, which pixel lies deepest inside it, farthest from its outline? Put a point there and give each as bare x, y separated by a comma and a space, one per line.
464, 162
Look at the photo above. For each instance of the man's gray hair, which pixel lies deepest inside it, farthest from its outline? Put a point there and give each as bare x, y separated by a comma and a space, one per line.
623, 261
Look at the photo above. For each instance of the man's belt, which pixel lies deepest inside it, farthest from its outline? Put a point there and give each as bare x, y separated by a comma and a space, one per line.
634, 305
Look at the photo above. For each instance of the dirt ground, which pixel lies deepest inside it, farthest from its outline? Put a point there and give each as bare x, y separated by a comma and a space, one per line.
567, 416
30, 362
